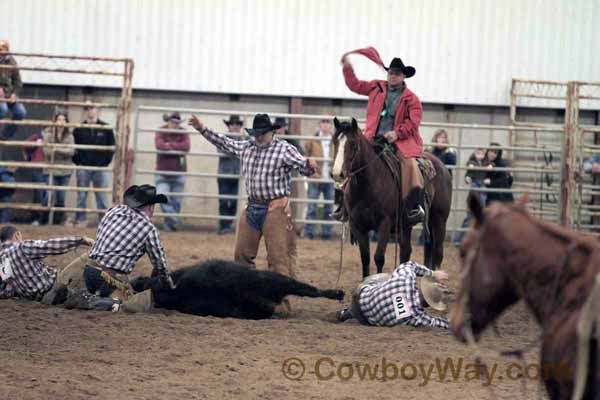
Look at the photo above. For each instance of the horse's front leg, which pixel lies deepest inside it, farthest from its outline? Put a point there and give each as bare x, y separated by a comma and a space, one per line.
383, 237
405, 245
365, 252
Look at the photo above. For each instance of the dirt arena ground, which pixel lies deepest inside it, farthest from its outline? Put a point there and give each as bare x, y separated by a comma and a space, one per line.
52, 353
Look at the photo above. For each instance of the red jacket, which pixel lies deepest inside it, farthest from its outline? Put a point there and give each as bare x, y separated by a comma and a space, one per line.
408, 113
33, 153
175, 142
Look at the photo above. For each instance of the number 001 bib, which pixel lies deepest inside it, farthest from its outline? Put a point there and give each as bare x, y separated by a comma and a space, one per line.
401, 307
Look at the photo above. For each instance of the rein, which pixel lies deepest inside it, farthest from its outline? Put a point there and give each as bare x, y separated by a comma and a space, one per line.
467, 328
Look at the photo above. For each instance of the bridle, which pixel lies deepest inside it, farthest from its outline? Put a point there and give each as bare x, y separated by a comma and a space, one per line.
352, 173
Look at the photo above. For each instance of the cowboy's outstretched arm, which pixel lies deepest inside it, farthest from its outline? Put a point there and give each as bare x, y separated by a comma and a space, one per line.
421, 318
43, 248
223, 143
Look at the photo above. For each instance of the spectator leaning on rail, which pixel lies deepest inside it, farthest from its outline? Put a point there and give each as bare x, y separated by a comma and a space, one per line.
58, 155
171, 142
392, 299
229, 165
10, 87
35, 154
393, 116
320, 149
92, 158
267, 165
476, 179
498, 179
23, 272
124, 235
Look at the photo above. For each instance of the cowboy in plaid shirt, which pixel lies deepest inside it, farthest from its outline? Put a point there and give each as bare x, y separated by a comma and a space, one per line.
392, 299
266, 165
23, 272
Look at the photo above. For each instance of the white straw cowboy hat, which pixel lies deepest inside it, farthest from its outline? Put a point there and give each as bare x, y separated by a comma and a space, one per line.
433, 292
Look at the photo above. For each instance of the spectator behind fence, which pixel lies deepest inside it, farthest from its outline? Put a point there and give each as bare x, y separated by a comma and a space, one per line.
446, 154
320, 149
10, 87
35, 154
92, 158
58, 156
230, 165
167, 183
498, 179
477, 179
6, 194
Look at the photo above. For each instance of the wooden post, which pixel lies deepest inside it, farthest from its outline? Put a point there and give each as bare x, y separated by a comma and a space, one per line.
566, 179
295, 128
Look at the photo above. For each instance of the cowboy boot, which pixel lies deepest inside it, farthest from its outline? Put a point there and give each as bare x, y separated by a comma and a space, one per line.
340, 212
415, 212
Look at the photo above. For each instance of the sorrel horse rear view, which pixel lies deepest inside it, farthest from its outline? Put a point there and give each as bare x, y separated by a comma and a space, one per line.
508, 255
374, 202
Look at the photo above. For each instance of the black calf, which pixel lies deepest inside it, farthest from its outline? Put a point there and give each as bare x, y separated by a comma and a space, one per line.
228, 289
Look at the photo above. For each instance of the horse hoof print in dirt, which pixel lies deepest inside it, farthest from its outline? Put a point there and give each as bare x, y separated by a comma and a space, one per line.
228, 289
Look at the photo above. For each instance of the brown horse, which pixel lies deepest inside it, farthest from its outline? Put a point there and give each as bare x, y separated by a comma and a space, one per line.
508, 255
373, 200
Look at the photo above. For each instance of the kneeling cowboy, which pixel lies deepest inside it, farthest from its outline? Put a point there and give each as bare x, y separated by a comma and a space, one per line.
124, 235
267, 165
392, 299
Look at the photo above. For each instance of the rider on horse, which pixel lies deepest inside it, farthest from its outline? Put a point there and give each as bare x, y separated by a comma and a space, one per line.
393, 116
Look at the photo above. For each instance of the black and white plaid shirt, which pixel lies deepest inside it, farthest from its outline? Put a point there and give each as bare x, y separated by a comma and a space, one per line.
123, 237
396, 301
266, 170
31, 278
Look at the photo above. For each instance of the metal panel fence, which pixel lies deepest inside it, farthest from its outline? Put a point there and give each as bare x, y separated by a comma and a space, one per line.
530, 149
119, 72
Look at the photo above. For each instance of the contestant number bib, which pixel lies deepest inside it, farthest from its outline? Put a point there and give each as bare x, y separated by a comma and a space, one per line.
401, 307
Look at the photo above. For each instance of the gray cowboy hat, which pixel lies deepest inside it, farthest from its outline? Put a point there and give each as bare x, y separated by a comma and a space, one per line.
398, 66
234, 120
261, 125
138, 196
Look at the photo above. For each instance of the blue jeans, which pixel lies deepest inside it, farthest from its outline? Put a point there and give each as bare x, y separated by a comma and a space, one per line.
172, 184
314, 191
458, 237
39, 196
5, 212
99, 180
58, 196
18, 113
227, 207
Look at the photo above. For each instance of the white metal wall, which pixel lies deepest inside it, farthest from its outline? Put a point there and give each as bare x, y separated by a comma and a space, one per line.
465, 51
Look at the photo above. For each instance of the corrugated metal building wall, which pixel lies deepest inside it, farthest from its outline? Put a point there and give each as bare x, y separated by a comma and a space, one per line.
465, 51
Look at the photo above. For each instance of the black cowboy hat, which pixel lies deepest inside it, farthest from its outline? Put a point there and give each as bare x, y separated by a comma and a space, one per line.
398, 65
174, 116
261, 124
234, 120
139, 196
280, 121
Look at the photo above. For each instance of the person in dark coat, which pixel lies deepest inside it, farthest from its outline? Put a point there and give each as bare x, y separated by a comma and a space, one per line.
498, 179
229, 165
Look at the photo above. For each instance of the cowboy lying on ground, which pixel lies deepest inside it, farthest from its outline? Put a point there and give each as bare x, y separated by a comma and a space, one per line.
24, 274
393, 116
391, 299
124, 235
267, 166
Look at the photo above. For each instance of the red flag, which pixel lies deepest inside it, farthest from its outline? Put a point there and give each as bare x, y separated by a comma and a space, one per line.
369, 52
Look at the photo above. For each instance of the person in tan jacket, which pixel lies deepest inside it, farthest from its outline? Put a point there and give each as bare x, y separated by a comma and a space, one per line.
57, 155
320, 149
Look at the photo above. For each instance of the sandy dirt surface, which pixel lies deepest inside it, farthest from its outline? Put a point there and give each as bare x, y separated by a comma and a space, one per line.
52, 353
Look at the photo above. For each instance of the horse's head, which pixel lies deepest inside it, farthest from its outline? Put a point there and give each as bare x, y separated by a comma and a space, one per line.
346, 144
486, 287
